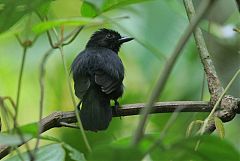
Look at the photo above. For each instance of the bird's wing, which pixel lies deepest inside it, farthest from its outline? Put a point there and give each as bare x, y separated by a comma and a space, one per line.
109, 71
81, 85
81, 80
107, 83
99, 64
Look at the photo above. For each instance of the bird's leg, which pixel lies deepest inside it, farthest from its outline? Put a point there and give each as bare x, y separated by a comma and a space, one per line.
79, 105
115, 108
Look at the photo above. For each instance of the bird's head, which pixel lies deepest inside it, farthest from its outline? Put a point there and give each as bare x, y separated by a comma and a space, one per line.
108, 39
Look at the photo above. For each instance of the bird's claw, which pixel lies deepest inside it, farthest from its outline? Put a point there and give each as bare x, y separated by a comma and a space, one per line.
115, 108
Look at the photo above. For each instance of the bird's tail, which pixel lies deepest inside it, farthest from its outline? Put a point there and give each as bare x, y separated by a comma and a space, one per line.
95, 112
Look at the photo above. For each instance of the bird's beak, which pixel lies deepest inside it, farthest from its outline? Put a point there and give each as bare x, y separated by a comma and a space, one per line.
124, 39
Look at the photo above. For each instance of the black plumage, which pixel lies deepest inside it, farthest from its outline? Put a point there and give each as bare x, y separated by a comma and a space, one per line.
98, 73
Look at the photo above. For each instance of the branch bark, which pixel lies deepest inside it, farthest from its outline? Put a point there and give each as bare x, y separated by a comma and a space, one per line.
54, 120
214, 84
204, 7
224, 107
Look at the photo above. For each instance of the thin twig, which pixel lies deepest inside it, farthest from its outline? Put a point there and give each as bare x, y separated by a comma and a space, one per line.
19, 40
20, 81
74, 102
50, 40
42, 75
74, 36
5, 114
60, 47
203, 8
7, 98
41, 82
15, 124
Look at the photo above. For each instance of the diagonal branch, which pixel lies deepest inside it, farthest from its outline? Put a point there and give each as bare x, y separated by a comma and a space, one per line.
224, 106
214, 84
203, 9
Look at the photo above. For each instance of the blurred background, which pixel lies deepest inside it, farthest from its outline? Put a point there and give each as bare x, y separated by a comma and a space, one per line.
156, 26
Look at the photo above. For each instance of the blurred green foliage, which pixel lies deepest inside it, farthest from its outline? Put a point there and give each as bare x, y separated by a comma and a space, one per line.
157, 26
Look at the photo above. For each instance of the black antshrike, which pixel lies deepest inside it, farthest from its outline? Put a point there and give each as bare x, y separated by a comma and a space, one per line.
98, 73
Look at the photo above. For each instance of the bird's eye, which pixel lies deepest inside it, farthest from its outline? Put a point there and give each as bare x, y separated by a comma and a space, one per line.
109, 36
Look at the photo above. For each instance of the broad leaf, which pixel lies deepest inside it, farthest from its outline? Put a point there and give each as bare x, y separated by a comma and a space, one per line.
14, 10
143, 145
191, 126
44, 26
210, 149
219, 127
92, 8
113, 153
50, 138
88, 10
8, 139
28, 131
73, 153
43, 9
51, 152
31, 129
112, 4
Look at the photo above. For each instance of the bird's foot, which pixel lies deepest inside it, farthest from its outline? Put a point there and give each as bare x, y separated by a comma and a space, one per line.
115, 108
79, 105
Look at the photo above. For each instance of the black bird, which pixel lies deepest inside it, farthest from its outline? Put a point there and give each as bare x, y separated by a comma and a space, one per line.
98, 73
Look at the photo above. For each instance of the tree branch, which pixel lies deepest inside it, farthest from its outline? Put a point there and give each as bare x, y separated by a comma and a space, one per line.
214, 84
203, 9
54, 120
224, 107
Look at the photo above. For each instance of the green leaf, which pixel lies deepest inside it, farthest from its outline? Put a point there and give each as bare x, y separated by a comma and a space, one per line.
43, 9
50, 138
88, 10
211, 148
44, 26
91, 8
143, 145
31, 129
112, 4
51, 152
12, 11
113, 153
192, 125
73, 153
219, 127
8, 139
